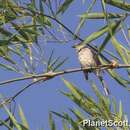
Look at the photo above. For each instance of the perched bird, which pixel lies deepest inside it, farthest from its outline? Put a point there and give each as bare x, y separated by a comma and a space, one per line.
89, 58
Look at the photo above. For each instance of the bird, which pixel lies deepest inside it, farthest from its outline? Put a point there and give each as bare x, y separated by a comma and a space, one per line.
89, 58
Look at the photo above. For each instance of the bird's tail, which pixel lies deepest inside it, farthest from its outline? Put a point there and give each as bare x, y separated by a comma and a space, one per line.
85, 74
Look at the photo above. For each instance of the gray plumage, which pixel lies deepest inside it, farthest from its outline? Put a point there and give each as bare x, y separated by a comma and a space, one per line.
89, 58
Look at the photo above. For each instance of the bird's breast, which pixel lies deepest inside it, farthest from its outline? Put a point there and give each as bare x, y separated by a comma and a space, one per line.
86, 57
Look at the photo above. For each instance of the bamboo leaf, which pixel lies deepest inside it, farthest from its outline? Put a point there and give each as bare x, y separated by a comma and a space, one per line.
66, 117
24, 121
111, 54
104, 102
23, 127
65, 125
55, 61
83, 101
78, 114
7, 58
120, 111
109, 35
52, 123
123, 82
72, 88
120, 49
41, 6
114, 105
20, 31
59, 115
96, 15
119, 4
73, 123
129, 32
49, 66
64, 6
95, 35
99, 33
60, 64
82, 20
32, 6
8, 67
43, 20
4, 42
5, 32
13, 119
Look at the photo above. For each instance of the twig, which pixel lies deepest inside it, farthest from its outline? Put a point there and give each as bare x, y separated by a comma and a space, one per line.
54, 74
66, 28
49, 75
9, 100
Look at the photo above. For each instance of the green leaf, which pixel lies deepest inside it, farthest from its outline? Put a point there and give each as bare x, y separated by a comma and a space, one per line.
60, 64
82, 100
7, 58
70, 120
43, 20
82, 20
96, 15
119, 4
32, 6
65, 125
121, 50
123, 82
16, 124
5, 32
24, 121
73, 123
99, 33
49, 66
10, 16
54, 62
109, 35
52, 123
104, 7
129, 32
8, 67
104, 102
4, 42
59, 115
64, 6
41, 6
72, 88
20, 31
114, 105
78, 114
23, 127
111, 54
120, 111
5, 124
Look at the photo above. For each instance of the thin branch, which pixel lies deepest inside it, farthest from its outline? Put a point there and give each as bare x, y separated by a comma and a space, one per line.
49, 75
54, 74
26, 87
9, 100
66, 28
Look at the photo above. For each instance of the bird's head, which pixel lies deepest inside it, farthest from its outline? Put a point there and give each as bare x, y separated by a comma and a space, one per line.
78, 46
